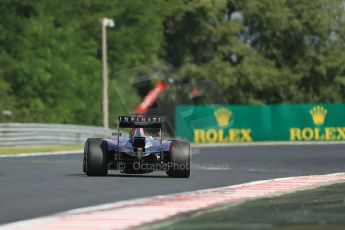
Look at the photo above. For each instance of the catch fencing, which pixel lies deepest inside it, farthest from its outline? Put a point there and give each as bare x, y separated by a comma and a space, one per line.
30, 134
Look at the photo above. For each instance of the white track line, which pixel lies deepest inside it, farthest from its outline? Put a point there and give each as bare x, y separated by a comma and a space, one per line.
134, 213
268, 143
195, 146
42, 154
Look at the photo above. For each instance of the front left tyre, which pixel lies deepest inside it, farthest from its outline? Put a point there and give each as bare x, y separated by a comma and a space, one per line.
95, 161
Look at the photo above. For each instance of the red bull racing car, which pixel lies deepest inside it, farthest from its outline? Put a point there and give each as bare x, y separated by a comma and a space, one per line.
142, 151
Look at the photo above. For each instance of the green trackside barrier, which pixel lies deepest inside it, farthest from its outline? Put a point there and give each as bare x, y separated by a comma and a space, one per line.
243, 123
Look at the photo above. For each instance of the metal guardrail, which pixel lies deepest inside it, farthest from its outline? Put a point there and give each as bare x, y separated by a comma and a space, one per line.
26, 134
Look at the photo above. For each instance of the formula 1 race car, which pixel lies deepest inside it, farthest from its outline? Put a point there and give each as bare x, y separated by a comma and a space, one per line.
142, 151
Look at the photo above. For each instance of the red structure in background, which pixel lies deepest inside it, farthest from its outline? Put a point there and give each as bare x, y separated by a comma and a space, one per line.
150, 98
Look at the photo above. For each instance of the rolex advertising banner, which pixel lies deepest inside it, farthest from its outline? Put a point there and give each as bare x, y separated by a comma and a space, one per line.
240, 123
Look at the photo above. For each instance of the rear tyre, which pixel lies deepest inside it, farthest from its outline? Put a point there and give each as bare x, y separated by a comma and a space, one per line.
180, 159
95, 161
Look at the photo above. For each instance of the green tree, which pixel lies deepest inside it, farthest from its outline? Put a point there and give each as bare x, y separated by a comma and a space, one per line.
262, 51
51, 57
283, 51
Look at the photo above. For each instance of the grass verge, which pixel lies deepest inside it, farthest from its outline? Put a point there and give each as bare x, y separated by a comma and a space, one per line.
321, 208
38, 149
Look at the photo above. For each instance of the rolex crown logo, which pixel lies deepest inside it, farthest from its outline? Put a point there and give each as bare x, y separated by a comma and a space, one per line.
318, 114
223, 116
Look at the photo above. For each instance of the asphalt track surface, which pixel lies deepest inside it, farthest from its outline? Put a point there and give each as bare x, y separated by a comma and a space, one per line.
43, 185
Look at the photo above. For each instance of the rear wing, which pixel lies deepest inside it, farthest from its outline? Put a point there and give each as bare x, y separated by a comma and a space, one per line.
135, 121
140, 122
